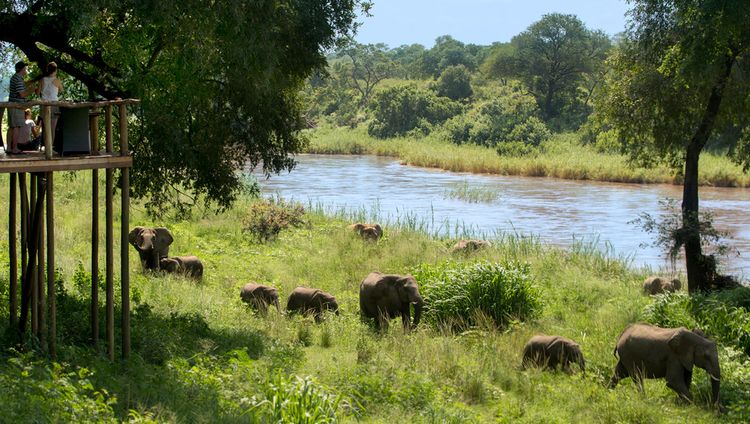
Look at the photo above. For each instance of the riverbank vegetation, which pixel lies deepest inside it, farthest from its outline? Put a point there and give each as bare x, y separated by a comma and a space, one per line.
200, 355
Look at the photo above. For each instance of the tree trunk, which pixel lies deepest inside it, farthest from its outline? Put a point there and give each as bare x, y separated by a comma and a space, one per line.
700, 268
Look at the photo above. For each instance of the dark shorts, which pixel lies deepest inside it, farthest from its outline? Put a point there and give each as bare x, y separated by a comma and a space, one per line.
16, 118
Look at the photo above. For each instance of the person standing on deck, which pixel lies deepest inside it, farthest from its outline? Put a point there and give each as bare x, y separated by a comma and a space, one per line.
50, 87
18, 90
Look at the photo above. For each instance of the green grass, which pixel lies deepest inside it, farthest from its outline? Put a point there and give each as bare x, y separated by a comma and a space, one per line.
199, 355
564, 158
471, 194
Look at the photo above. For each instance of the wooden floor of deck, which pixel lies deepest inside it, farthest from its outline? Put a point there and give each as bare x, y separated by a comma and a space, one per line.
36, 162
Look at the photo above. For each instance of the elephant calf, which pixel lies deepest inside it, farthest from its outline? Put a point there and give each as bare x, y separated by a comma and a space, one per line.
646, 351
311, 302
369, 232
467, 246
655, 285
260, 296
386, 296
152, 244
552, 351
188, 265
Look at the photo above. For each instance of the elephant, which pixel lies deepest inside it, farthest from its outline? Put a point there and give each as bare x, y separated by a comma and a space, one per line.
466, 246
551, 352
646, 351
369, 232
311, 301
260, 296
386, 296
152, 244
655, 285
188, 265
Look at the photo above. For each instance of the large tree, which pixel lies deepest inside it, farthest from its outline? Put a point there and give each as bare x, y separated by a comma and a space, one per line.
366, 66
219, 81
552, 58
678, 79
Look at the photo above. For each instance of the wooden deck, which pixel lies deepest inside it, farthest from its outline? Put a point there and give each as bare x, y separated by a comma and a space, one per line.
36, 162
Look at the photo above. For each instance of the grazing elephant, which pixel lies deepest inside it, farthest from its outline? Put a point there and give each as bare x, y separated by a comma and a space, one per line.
260, 296
466, 246
188, 265
311, 301
655, 285
386, 296
646, 351
369, 232
551, 351
152, 244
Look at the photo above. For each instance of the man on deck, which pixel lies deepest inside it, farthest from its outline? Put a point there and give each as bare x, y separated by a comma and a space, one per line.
18, 90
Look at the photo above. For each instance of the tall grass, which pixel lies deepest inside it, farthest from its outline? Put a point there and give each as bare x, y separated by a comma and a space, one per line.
561, 157
200, 355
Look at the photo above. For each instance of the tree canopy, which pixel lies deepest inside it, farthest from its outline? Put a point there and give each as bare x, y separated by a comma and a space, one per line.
219, 81
678, 79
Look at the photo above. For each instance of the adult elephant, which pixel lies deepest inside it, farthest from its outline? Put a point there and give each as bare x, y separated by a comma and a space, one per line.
188, 265
260, 296
152, 244
309, 301
669, 353
386, 296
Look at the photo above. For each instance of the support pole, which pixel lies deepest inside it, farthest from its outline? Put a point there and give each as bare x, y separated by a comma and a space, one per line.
51, 266
24, 221
95, 256
47, 121
94, 131
124, 224
31, 277
40, 267
12, 251
110, 296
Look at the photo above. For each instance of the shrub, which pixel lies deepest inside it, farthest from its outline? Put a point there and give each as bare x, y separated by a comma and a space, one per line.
457, 293
398, 110
454, 83
265, 219
286, 399
516, 149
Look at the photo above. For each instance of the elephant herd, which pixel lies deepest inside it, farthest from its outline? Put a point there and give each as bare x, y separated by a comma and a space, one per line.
643, 351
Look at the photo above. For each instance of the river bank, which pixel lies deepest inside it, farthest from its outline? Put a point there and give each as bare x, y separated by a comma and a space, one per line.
562, 157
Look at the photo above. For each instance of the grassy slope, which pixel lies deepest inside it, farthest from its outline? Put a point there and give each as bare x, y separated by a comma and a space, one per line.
183, 367
563, 159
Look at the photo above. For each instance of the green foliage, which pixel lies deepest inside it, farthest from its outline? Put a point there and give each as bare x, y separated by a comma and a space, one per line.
292, 399
464, 191
36, 391
266, 218
456, 293
401, 109
454, 83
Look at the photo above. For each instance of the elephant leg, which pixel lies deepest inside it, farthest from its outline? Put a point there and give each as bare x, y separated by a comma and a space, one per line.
676, 380
688, 374
382, 321
620, 373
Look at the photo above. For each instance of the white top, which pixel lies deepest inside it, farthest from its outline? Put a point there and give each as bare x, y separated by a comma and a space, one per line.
49, 89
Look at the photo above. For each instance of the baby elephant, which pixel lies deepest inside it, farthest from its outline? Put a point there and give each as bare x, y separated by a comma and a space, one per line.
552, 351
260, 296
311, 302
655, 285
467, 246
188, 265
369, 232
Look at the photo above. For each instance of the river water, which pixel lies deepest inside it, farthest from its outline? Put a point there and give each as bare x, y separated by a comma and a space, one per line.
559, 212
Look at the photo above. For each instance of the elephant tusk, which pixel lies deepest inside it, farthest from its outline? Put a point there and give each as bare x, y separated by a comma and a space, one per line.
714, 378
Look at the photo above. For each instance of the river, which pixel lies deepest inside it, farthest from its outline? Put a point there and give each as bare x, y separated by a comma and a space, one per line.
558, 211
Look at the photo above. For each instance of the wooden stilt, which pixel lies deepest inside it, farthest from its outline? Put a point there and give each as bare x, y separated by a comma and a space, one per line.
110, 296
12, 250
51, 300
33, 244
40, 269
47, 133
124, 230
94, 256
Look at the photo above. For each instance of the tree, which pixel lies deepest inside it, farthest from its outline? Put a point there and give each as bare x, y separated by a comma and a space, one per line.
678, 78
219, 81
368, 65
550, 58
454, 83
446, 52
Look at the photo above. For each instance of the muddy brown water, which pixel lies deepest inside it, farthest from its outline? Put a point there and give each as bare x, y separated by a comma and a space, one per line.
559, 212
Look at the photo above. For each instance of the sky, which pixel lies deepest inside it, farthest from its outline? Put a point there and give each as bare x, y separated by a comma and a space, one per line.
398, 22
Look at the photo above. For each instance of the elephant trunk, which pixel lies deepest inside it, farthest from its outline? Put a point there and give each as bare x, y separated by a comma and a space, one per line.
418, 304
715, 383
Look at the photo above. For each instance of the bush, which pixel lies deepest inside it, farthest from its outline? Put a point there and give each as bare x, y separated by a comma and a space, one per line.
398, 110
516, 149
454, 83
459, 293
265, 219
295, 400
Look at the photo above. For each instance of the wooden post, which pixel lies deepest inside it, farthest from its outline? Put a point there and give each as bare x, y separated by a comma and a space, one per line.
95, 256
110, 296
94, 131
48, 134
32, 248
52, 313
24, 224
108, 129
124, 224
40, 268
12, 252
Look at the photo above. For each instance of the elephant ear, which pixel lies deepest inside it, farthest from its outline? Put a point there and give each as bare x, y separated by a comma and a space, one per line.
163, 236
379, 229
357, 227
133, 235
682, 344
